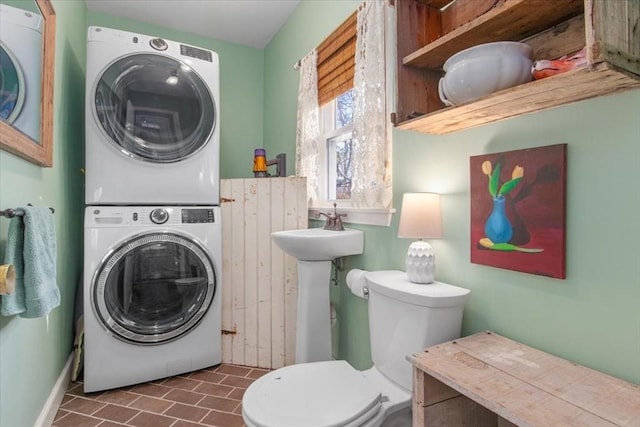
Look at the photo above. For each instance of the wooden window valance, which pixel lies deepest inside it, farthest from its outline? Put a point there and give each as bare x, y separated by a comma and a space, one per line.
336, 61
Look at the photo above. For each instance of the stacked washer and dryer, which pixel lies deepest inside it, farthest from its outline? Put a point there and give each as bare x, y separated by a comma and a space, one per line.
152, 245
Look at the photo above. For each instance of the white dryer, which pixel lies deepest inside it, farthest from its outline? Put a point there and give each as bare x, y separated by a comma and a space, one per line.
152, 121
152, 293
20, 69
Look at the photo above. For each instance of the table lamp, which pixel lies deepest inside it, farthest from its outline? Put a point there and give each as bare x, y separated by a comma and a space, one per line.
421, 218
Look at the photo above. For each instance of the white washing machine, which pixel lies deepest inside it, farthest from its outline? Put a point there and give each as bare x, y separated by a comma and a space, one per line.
152, 121
20, 69
152, 293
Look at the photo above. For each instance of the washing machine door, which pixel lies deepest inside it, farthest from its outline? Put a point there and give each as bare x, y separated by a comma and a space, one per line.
12, 85
154, 288
154, 108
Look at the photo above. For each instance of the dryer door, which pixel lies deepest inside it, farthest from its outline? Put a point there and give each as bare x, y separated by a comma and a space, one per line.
154, 288
154, 108
12, 85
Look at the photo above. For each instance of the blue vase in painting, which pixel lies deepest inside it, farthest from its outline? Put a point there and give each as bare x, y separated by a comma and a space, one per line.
498, 228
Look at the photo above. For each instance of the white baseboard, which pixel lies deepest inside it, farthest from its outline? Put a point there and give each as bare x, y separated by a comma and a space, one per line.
50, 408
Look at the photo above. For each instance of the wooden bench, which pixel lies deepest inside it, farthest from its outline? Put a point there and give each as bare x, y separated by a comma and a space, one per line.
488, 380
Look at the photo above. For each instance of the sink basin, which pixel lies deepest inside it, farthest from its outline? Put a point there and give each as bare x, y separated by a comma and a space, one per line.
318, 244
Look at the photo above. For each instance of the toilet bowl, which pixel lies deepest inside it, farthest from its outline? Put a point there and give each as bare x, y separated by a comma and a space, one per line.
404, 317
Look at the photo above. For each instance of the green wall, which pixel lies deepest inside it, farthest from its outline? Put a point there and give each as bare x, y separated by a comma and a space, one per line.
592, 317
34, 351
241, 91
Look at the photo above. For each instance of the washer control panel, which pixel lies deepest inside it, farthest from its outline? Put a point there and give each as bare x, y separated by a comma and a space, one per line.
119, 216
172, 215
197, 215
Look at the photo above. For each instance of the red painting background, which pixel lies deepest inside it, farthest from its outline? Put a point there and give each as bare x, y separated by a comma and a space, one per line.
536, 209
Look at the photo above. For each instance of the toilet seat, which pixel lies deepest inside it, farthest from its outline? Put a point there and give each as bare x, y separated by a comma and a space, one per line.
320, 394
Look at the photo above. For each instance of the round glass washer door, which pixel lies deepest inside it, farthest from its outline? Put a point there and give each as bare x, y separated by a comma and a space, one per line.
154, 108
12, 86
154, 288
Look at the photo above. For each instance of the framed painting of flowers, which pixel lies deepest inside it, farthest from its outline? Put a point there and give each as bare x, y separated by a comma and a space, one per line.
518, 210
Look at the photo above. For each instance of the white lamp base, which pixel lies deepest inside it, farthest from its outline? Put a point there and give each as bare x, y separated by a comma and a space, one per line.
421, 262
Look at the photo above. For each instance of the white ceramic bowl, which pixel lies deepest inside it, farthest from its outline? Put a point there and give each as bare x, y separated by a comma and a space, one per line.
484, 69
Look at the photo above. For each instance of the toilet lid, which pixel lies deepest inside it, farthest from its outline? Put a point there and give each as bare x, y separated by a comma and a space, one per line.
396, 285
327, 394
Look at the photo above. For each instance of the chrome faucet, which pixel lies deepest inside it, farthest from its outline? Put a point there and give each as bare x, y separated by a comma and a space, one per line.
334, 221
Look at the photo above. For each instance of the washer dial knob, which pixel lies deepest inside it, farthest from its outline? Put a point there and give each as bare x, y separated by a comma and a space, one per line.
158, 44
159, 216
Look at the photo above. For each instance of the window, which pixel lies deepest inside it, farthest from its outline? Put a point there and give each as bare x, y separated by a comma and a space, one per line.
337, 136
343, 132
336, 65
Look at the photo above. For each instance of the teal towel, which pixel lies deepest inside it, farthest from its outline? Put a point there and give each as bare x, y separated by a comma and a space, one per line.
31, 248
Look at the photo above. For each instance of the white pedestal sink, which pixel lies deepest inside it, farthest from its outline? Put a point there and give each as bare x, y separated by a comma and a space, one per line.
315, 248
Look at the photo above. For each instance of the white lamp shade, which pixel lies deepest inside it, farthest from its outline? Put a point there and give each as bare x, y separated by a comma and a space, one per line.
421, 216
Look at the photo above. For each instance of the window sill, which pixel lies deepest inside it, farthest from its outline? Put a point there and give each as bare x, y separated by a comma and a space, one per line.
369, 216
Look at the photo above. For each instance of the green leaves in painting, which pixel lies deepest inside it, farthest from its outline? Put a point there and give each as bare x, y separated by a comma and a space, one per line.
494, 178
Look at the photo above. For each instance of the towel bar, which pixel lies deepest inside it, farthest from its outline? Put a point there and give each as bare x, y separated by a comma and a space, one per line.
10, 213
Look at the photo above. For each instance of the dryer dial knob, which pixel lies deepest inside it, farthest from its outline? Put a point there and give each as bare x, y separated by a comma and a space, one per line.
159, 216
158, 44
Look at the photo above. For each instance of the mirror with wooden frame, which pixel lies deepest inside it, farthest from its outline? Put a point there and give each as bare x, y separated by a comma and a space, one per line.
37, 150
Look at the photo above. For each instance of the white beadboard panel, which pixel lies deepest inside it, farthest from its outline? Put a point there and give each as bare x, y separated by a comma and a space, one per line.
228, 327
259, 280
277, 278
263, 245
236, 276
250, 307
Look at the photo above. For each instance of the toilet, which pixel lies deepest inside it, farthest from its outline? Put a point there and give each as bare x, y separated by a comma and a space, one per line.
404, 318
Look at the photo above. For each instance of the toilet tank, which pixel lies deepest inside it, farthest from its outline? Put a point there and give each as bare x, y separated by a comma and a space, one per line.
406, 317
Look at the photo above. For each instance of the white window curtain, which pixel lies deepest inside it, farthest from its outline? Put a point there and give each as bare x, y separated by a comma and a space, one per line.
308, 127
371, 185
371, 181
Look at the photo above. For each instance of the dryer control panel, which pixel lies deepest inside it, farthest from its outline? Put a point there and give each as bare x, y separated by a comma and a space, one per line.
194, 52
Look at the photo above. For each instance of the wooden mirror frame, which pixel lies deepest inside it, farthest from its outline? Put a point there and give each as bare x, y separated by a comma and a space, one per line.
16, 142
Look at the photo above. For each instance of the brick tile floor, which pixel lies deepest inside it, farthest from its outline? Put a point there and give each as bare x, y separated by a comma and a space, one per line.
209, 397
